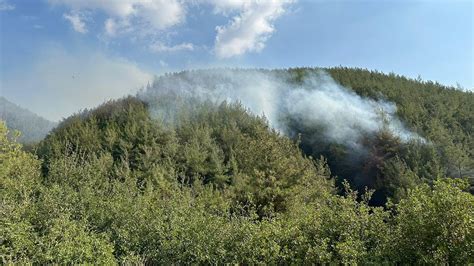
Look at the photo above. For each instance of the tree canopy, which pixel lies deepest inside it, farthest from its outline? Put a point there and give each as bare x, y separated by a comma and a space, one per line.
115, 185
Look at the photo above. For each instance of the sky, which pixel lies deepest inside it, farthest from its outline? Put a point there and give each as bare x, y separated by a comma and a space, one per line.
60, 56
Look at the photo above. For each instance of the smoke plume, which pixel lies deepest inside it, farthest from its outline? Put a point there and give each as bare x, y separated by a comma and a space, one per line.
317, 102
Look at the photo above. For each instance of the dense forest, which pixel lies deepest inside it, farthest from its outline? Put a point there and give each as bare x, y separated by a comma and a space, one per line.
217, 183
33, 128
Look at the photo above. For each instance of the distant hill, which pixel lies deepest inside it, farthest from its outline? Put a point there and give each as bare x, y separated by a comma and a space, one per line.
33, 127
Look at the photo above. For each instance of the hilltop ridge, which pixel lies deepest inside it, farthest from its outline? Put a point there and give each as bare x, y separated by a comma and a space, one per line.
33, 127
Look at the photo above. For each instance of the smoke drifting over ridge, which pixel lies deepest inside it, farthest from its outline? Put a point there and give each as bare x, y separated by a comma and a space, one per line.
318, 102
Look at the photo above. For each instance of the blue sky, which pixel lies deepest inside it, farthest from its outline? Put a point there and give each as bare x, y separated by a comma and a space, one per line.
58, 56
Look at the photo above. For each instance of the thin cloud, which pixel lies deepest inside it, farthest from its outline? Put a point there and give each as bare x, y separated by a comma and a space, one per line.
74, 81
5, 6
250, 25
77, 21
135, 14
159, 47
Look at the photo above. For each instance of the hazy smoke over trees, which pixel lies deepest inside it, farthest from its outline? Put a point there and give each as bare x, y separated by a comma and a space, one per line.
317, 102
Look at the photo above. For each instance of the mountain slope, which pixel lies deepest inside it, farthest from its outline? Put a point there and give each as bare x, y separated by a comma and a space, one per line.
339, 112
33, 128
425, 134
173, 176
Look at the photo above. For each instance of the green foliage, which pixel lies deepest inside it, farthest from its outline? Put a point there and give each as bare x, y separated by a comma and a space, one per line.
436, 225
443, 116
216, 185
33, 127
35, 224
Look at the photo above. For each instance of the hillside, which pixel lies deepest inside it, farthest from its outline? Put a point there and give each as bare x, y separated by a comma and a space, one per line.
443, 115
429, 126
33, 128
250, 167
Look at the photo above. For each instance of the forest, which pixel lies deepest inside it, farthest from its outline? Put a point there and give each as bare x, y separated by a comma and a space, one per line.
33, 128
165, 177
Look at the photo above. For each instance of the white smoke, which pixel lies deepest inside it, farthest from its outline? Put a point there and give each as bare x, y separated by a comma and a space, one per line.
343, 114
318, 101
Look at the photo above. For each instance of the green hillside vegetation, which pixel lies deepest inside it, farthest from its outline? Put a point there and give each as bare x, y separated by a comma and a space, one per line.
33, 128
113, 185
443, 115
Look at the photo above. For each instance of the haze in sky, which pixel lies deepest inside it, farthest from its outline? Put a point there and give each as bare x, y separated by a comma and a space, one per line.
58, 56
